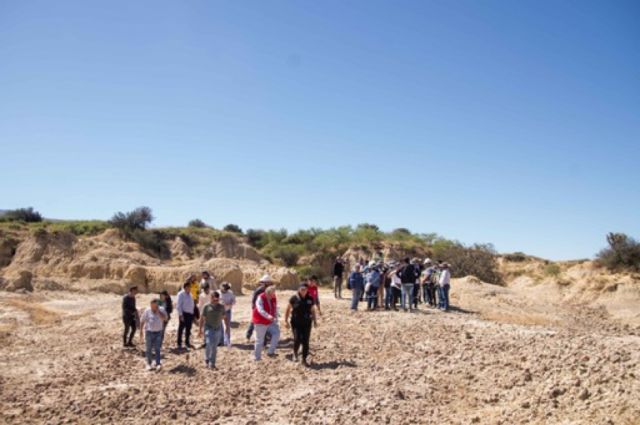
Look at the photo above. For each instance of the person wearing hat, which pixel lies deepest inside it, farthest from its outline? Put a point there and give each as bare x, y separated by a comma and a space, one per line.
129, 316
151, 324
228, 299
302, 311
444, 284
428, 283
265, 319
262, 284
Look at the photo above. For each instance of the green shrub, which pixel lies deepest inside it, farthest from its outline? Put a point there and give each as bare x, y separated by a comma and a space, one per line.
151, 241
552, 270
233, 228
137, 219
28, 215
622, 254
478, 260
197, 223
515, 257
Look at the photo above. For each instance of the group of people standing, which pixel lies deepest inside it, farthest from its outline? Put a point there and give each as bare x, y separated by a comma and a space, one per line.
201, 302
382, 284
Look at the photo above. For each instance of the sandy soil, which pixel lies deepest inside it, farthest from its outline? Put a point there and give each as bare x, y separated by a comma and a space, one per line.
498, 358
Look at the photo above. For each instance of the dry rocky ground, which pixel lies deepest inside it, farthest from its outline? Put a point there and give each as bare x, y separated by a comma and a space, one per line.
502, 356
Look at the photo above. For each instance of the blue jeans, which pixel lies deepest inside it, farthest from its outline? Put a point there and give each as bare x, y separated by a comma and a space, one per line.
356, 293
443, 294
153, 341
372, 298
227, 331
212, 337
388, 295
407, 296
261, 332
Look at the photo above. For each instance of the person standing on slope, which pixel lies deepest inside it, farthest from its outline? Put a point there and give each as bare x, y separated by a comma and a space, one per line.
302, 311
444, 286
151, 324
338, 272
185, 306
407, 275
356, 284
313, 291
130, 316
265, 319
262, 285
228, 299
211, 319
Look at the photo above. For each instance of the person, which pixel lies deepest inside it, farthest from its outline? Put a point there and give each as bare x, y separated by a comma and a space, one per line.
211, 319
302, 311
338, 272
262, 285
396, 287
151, 324
167, 305
356, 284
428, 284
203, 299
313, 291
386, 282
444, 286
130, 316
417, 268
407, 276
373, 279
228, 299
208, 281
185, 306
195, 295
265, 319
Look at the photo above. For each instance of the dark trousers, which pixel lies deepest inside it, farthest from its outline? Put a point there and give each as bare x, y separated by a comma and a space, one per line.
185, 326
129, 329
429, 293
301, 335
416, 294
396, 293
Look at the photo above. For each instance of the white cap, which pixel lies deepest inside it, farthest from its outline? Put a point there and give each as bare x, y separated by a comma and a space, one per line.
266, 278
427, 261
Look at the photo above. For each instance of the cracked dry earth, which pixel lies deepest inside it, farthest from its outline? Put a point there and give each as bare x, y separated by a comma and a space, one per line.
499, 358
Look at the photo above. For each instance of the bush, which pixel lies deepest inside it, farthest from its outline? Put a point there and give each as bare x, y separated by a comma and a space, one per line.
256, 238
516, 257
233, 228
622, 254
477, 260
151, 241
137, 219
197, 223
552, 270
28, 215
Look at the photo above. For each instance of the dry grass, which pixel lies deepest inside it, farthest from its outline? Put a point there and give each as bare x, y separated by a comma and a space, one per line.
38, 314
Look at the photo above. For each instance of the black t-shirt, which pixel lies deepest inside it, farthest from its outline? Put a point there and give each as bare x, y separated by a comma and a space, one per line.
338, 269
301, 308
128, 306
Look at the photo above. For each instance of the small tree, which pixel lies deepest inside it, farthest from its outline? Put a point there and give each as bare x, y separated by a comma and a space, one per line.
137, 219
197, 223
623, 253
28, 215
234, 228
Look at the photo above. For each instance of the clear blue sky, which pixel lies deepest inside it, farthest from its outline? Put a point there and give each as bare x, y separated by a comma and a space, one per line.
516, 123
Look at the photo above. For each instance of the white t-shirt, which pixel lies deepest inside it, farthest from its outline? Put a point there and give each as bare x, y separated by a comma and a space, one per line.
396, 282
228, 299
445, 277
153, 322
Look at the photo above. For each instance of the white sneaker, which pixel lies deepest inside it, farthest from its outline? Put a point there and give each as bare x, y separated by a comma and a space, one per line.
149, 366
158, 366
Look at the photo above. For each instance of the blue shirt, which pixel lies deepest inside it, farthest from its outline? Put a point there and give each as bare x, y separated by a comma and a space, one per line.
356, 281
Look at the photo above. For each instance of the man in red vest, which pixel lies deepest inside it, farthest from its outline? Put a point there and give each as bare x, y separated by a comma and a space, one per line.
265, 319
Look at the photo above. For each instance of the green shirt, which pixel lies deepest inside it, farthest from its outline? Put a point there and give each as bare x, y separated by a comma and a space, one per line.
213, 314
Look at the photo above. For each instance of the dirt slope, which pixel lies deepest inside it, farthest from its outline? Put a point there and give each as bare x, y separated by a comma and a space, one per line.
500, 357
